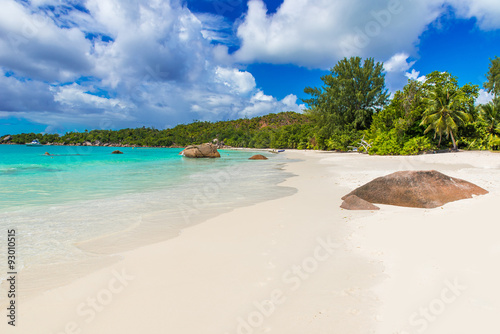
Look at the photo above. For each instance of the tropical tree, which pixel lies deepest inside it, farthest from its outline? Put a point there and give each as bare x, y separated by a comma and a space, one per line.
493, 84
445, 111
490, 114
351, 94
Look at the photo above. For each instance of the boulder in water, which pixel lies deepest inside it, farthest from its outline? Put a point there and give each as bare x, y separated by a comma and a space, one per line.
206, 150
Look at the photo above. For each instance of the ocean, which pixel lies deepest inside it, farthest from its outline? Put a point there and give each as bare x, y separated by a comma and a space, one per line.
75, 209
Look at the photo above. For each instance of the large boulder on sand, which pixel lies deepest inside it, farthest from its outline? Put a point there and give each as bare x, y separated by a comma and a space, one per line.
257, 157
353, 202
416, 189
206, 150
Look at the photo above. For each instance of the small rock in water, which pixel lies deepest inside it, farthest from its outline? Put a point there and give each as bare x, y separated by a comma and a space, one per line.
257, 157
117, 152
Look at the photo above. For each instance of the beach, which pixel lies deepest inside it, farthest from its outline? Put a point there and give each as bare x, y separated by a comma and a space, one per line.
301, 264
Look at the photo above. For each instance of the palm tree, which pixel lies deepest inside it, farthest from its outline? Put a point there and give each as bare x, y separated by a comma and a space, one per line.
490, 113
444, 112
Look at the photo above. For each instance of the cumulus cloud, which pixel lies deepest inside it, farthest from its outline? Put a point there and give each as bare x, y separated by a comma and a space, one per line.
112, 64
484, 97
32, 45
398, 63
486, 11
415, 75
241, 82
263, 104
317, 33
17, 95
396, 69
77, 96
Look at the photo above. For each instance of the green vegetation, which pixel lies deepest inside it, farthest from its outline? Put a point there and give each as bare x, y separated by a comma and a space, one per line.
492, 85
283, 130
350, 111
345, 105
424, 116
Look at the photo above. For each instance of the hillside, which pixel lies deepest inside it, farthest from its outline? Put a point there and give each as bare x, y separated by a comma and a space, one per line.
282, 130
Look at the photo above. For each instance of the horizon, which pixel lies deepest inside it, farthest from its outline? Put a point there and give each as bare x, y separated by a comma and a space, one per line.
76, 65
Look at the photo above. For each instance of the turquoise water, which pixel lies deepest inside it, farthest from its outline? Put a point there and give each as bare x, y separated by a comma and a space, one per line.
71, 173
80, 204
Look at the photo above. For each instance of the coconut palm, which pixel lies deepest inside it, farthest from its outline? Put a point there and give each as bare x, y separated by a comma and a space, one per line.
490, 113
445, 111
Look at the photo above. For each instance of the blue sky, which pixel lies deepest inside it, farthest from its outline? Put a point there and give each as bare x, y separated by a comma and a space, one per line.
109, 64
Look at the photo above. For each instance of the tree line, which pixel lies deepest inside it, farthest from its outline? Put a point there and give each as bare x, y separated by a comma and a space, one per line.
432, 114
281, 130
351, 107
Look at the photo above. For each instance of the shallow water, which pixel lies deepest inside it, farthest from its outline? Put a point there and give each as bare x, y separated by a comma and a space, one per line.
81, 205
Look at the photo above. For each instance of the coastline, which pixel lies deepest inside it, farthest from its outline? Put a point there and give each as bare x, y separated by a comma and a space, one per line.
323, 268
213, 192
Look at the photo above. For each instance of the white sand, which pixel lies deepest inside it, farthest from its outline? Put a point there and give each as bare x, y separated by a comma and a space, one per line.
300, 264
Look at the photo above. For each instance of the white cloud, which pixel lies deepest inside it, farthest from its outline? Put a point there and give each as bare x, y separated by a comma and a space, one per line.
33, 46
16, 95
78, 96
158, 65
398, 63
486, 11
264, 104
396, 69
317, 33
241, 82
484, 97
415, 75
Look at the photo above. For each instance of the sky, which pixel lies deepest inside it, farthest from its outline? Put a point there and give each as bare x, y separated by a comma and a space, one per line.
70, 65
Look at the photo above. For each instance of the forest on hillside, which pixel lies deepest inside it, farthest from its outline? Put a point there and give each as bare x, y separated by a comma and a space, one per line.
352, 107
285, 129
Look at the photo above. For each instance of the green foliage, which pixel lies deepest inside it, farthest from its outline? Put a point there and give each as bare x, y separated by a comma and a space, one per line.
493, 76
490, 114
416, 145
352, 92
352, 104
282, 130
342, 140
445, 111
386, 143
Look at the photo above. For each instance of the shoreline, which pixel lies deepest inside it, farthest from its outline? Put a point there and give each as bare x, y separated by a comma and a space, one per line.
299, 264
105, 249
